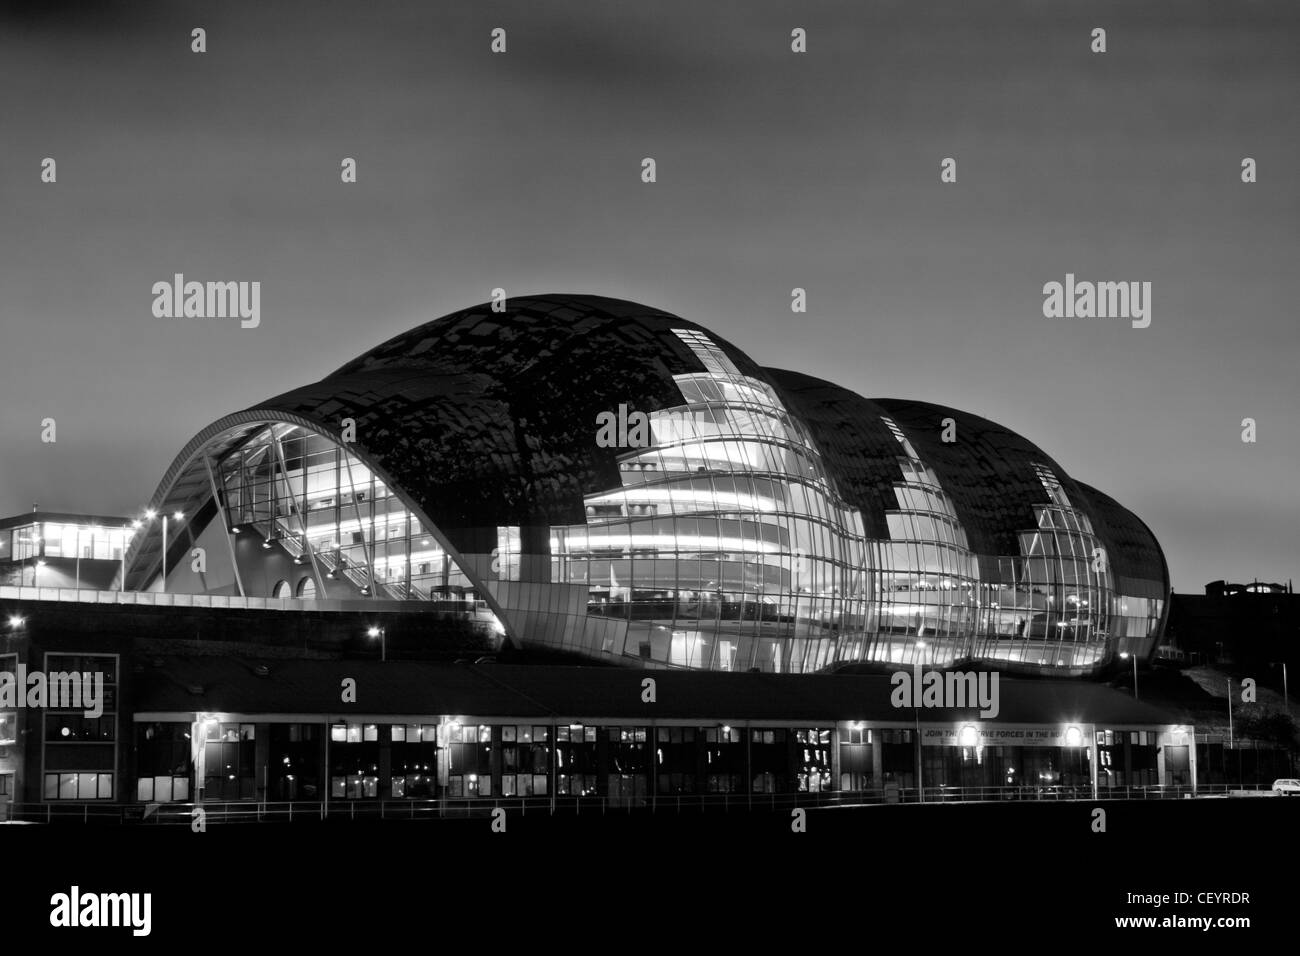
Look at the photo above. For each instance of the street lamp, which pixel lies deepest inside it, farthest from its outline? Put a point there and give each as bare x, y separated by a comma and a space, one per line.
381, 633
1286, 698
128, 532
1125, 655
916, 717
175, 516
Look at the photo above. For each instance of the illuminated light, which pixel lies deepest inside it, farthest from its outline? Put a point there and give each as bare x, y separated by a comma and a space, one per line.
234, 529
135, 525
266, 543
16, 621
684, 495
373, 631
969, 736
151, 514
1073, 737
178, 516
40, 563
65, 731
594, 540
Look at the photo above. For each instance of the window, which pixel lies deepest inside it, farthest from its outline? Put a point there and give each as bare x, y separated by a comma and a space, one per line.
354, 761
414, 757
163, 764
469, 751
229, 755
526, 763
629, 766
294, 768
80, 753
78, 786
575, 760
675, 759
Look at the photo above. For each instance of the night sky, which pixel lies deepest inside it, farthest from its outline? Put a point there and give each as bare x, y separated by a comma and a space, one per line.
775, 170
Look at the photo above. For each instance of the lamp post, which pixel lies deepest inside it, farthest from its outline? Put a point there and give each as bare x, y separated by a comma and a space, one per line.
1230, 713
1125, 655
916, 717
1286, 697
128, 532
177, 516
381, 633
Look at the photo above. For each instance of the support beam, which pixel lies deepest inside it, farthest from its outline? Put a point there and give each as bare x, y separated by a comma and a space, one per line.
297, 513
365, 549
225, 524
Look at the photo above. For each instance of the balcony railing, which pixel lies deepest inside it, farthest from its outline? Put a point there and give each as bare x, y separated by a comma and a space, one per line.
167, 599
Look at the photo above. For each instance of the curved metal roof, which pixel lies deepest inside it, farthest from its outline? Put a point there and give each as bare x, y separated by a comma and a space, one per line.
484, 419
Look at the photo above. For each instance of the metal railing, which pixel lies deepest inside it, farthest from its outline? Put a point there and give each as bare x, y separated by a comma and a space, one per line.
167, 599
304, 811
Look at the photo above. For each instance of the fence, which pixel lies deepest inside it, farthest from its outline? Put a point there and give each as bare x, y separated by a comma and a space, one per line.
349, 810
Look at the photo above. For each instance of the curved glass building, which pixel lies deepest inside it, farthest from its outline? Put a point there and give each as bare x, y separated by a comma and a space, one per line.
603, 478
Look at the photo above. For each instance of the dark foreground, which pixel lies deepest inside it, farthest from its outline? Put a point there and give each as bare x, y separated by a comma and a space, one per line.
959, 873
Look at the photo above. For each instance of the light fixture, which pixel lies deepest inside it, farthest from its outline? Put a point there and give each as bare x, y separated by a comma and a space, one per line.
178, 516
151, 514
17, 621
373, 631
969, 736
234, 529
1073, 736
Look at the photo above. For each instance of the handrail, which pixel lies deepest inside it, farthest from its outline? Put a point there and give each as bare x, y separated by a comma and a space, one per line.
171, 599
563, 804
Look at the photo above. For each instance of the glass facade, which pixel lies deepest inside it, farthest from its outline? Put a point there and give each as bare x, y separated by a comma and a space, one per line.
62, 554
631, 765
764, 520
327, 509
725, 546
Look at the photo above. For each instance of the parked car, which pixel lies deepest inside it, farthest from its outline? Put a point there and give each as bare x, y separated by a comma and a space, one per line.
1286, 786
